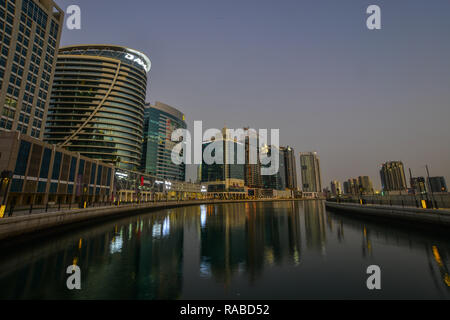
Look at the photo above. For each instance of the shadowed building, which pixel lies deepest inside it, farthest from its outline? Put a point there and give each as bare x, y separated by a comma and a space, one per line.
30, 31
97, 106
437, 184
290, 167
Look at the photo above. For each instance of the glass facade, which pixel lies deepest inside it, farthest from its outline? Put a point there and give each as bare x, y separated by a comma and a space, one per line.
278, 180
227, 173
43, 173
29, 38
160, 121
97, 103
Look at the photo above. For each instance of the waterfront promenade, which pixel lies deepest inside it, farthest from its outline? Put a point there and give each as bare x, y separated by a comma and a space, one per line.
439, 217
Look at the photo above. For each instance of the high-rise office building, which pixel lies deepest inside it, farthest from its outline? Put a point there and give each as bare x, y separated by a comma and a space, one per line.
97, 104
290, 167
336, 189
418, 184
30, 31
365, 185
310, 169
347, 189
277, 181
437, 184
393, 176
160, 121
253, 178
229, 175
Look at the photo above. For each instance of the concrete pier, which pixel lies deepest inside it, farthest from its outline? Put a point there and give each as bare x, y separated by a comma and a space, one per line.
408, 214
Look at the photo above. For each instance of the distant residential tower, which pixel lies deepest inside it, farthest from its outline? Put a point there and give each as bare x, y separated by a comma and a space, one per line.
311, 175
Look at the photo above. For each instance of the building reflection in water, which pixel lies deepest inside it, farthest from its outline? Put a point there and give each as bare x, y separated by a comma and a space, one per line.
439, 262
266, 234
152, 256
315, 226
366, 243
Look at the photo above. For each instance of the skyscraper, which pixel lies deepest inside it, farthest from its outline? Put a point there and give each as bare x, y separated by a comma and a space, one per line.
97, 106
253, 177
30, 31
310, 169
347, 188
365, 185
290, 167
336, 188
393, 176
160, 121
277, 181
229, 175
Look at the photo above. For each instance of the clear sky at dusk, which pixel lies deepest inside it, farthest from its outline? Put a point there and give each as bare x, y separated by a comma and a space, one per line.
310, 68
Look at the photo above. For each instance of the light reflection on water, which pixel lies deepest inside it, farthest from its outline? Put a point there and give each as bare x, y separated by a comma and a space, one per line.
279, 250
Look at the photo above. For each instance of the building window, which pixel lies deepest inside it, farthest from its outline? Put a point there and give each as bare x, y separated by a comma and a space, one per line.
53, 188
22, 158
45, 163
41, 187
73, 166
16, 185
56, 166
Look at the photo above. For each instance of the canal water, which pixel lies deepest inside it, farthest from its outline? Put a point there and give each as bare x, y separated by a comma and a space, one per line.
270, 250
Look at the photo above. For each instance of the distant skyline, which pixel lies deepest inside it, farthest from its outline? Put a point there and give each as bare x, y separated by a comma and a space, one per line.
310, 68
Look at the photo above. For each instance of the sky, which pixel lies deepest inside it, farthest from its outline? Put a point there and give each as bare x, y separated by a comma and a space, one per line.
311, 68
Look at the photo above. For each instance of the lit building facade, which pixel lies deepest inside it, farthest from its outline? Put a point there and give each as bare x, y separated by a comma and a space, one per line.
253, 178
42, 173
30, 32
392, 176
97, 103
365, 185
336, 189
160, 121
311, 175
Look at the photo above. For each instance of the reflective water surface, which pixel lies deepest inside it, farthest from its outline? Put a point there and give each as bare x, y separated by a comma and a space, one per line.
279, 250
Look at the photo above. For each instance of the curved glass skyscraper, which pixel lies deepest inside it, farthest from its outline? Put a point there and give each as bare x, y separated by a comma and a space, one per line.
159, 123
97, 103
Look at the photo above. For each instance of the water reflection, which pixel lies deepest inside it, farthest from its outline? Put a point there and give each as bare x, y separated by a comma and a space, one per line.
248, 250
